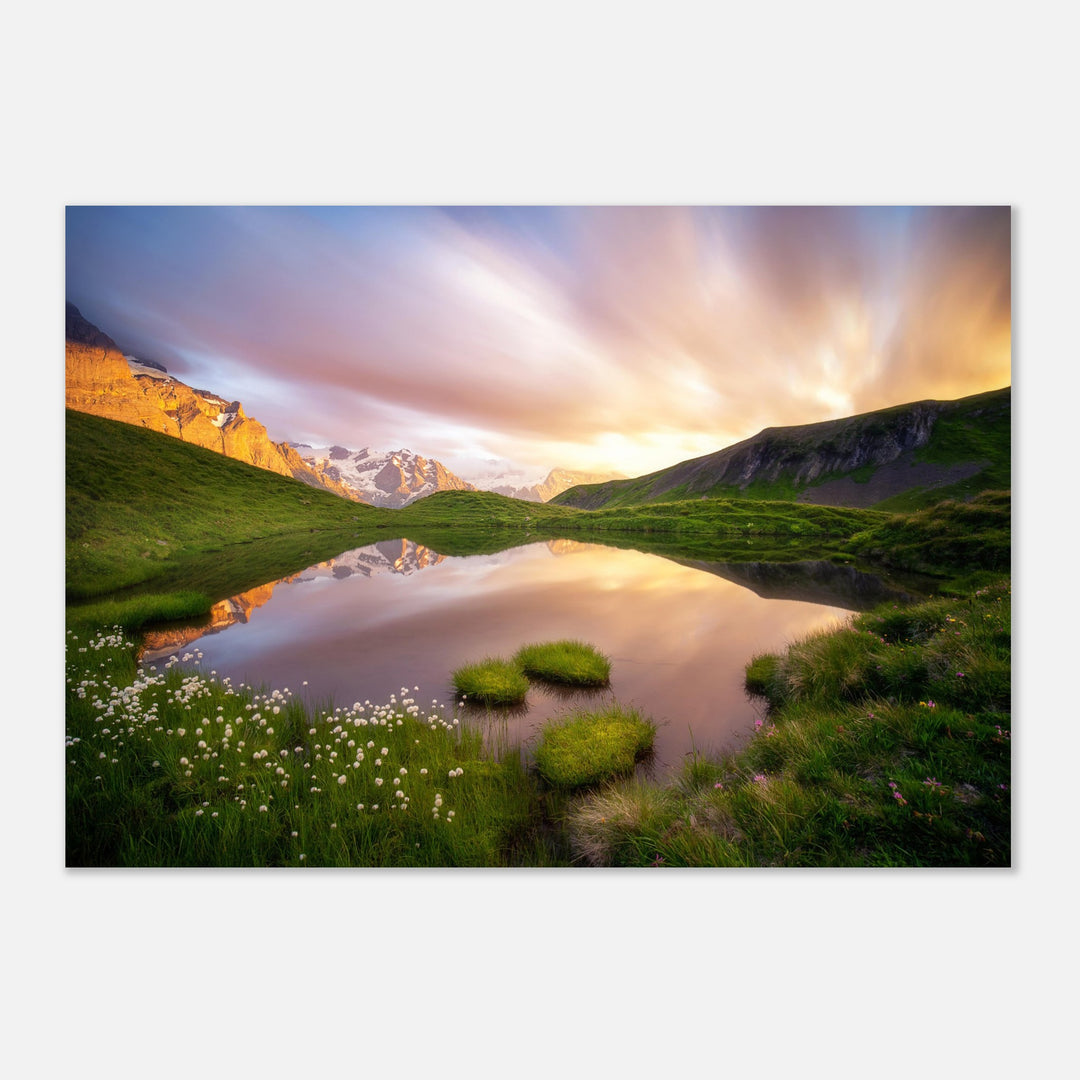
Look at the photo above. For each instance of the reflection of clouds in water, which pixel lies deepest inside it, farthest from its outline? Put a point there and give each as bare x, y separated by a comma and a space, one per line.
678, 638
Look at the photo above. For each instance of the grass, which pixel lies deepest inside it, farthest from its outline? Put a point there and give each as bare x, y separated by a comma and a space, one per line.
565, 663
492, 681
975, 536
887, 743
121, 532
167, 766
591, 747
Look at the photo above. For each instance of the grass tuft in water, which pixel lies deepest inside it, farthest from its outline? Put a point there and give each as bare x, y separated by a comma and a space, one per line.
492, 681
566, 663
593, 747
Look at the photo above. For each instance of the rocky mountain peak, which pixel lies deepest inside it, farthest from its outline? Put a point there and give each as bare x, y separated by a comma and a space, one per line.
100, 380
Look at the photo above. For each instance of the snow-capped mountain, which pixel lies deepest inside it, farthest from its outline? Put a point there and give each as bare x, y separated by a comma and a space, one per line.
383, 478
556, 482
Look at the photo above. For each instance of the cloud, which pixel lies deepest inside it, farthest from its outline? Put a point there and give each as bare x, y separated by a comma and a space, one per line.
553, 335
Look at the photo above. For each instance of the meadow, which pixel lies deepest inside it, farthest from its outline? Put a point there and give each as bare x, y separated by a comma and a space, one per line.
886, 743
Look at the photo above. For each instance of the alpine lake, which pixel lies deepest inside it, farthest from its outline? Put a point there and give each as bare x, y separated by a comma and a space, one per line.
395, 616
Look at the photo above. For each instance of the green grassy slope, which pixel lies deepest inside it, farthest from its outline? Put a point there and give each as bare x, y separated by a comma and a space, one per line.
139, 503
150, 514
970, 436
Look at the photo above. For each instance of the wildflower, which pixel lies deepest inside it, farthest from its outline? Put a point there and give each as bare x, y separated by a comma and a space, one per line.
760, 778
263, 809
341, 779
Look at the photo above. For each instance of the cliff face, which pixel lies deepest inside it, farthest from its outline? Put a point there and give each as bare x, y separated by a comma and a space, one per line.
806, 453
855, 461
102, 381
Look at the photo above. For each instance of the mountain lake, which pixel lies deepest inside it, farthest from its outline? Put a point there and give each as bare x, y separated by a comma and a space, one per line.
396, 616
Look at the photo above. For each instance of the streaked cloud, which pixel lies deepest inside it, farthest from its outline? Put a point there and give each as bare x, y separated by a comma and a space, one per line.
621, 337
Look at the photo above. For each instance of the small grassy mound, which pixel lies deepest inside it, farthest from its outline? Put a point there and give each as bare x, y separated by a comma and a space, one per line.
567, 663
491, 682
591, 747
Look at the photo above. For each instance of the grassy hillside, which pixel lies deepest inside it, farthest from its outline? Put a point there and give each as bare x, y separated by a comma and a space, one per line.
140, 504
902, 458
166, 528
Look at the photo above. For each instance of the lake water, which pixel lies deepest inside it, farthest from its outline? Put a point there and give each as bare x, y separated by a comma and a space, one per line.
395, 615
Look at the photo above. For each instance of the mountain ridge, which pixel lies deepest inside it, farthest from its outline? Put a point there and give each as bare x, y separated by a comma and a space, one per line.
99, 379
555, 483
905, 455
391, 478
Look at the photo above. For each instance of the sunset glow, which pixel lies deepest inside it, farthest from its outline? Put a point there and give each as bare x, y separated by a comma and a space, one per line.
623, 338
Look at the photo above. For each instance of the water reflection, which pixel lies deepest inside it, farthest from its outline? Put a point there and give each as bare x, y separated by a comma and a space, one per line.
817, 582
366, 624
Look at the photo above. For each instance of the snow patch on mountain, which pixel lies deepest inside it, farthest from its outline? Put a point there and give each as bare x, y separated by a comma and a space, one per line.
147, 367
383, 478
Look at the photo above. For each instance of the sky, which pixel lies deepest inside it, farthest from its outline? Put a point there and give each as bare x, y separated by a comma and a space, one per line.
511, 340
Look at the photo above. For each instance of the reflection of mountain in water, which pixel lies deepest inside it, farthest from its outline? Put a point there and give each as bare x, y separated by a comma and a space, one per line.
568, 547
385, 557
817, 582
237, 609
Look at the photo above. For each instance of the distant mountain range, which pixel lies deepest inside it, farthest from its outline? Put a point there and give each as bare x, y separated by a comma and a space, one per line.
895, 458
105, 382
382, 478
556, 482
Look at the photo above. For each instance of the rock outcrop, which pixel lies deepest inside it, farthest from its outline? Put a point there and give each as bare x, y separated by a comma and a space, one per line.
101, 380
855, 461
